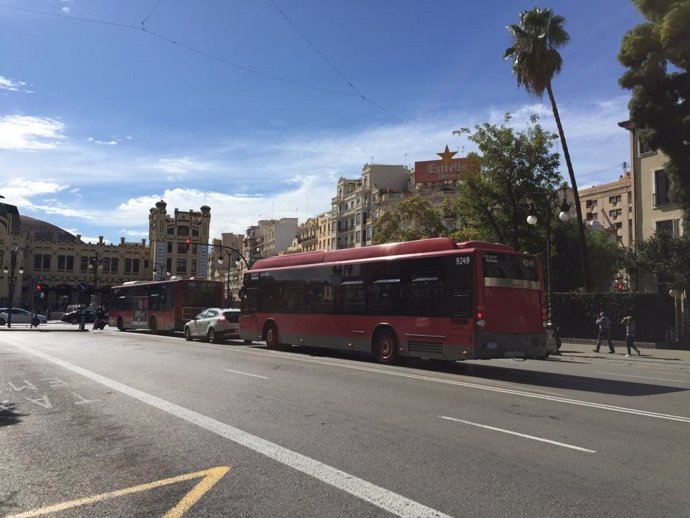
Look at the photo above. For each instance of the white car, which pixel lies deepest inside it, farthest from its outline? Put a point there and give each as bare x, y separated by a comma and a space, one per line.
20, 316
214, 325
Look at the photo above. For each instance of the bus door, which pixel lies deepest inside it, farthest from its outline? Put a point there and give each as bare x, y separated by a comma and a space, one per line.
140, 311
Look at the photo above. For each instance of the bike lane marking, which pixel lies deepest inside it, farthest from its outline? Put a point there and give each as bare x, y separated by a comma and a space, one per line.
378, 496
209, 478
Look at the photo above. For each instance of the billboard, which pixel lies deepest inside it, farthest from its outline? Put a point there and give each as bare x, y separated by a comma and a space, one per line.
447, 169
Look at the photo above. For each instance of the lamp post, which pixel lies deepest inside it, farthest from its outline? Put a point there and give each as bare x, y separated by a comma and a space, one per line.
564, 216
12, 280
229, 250
95, 263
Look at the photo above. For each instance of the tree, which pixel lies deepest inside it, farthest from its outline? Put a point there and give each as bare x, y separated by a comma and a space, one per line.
412, 218
535, 62
657, 55
667, 256
516, 168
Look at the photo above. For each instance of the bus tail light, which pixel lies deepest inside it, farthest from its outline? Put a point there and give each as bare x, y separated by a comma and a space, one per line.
480, 318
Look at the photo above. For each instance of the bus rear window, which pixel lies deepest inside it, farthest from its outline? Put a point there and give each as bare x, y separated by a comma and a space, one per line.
508, 266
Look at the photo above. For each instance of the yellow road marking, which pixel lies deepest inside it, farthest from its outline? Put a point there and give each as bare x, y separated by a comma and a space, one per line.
209, 478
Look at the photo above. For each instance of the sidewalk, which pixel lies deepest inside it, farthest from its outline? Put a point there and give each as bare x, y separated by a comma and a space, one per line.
584, 349
52, 325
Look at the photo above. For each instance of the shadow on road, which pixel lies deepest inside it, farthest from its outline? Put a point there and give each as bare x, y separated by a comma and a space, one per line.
512, 375
9, 414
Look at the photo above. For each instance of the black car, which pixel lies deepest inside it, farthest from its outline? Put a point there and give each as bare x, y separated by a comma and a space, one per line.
73, 316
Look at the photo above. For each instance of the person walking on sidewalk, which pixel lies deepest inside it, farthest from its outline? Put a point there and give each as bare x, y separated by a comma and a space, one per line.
629, 323
604, 324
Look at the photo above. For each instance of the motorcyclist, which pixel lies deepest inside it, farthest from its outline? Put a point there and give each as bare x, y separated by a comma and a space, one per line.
101, 318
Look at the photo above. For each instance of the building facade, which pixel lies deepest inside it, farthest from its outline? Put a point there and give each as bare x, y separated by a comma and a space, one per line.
609, 207
54, 268
179, 243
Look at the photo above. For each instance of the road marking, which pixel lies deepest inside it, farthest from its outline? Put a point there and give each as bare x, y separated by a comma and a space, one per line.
247, 374
641, 377
209, 479
380, 497
534, 438
478, 386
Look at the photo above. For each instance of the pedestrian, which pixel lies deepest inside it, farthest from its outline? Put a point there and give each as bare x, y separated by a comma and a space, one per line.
98, 322
604, 324
629, 323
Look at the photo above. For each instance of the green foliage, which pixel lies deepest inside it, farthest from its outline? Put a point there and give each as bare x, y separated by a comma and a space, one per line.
575, 314
657, 56
668, 257
534, 54
565, 264
413, 218
516, 168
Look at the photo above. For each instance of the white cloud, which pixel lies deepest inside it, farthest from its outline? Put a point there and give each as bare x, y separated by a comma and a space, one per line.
179, 168
26, 133
12, 86
112, 142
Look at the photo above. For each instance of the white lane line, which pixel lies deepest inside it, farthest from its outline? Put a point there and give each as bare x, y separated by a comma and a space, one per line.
247, 374
640, 377
380, 497
489, 388
532, 437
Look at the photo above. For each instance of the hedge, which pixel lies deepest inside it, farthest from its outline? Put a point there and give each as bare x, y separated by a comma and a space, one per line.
576, 313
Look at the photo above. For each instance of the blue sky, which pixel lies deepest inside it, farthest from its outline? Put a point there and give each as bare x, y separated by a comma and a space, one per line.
257, 107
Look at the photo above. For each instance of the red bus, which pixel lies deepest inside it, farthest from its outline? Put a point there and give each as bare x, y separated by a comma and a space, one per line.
431, 298
162, 305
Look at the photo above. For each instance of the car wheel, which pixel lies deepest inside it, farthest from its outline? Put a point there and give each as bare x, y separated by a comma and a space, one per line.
187, 334
2, 322
73, 320
211, 336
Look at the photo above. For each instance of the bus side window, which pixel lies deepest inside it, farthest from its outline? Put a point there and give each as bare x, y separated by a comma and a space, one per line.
384, 297
425, 296
352, 298
294, 297
250, 300
320, 298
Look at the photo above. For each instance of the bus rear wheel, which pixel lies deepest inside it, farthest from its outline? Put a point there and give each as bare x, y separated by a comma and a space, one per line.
272, 337
385, 347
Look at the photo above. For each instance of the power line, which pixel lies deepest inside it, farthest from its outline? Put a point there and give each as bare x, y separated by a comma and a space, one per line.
208, 55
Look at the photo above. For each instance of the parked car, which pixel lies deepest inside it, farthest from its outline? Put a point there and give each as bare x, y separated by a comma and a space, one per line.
214, 325
20, 316
73, 316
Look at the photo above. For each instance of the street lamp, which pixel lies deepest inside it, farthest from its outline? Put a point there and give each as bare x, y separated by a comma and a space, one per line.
95, 263
564, 216
229, 250
12, 280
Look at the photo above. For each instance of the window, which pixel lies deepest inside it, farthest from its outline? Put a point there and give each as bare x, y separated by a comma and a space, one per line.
644, 147
170, 247
70, 263
660, 187
114, 265
182, 230
61, 263
181, 266
106, 264
46, 262
84, 264
38, 260
135, 266
128, 266
664, 226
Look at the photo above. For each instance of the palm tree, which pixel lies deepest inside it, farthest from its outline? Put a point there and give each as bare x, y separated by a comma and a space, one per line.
535, 62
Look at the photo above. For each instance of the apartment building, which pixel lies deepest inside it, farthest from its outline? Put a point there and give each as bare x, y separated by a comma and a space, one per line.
609, 208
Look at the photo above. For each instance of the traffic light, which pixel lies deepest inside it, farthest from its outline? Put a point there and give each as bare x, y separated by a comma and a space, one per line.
39, 288
187, 242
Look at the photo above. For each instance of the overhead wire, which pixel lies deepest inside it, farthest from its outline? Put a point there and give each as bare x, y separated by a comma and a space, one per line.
208, 55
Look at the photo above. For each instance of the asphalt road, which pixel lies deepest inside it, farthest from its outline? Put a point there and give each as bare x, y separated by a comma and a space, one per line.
116, 424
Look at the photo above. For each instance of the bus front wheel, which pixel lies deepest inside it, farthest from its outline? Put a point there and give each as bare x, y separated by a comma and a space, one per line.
120, 324
152, 324
385, 347
272, 337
